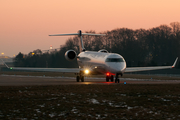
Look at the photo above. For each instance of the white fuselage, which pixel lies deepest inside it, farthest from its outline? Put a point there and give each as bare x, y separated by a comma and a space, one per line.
102, 62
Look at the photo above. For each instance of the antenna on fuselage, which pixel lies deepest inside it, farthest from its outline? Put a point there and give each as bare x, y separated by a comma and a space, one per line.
81, 47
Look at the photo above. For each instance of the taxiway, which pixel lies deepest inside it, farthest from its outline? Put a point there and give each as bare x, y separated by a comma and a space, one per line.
17, 80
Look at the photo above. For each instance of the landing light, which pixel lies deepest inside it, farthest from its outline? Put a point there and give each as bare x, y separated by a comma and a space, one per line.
107, 74
86, 71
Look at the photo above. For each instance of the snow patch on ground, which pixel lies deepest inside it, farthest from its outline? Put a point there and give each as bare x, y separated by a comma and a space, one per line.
94, 101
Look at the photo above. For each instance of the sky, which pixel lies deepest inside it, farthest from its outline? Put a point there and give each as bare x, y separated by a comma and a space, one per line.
26, 24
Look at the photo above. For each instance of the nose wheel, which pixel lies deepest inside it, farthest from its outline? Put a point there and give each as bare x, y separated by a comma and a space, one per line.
107, 78
117, 79
80, 77
112, 78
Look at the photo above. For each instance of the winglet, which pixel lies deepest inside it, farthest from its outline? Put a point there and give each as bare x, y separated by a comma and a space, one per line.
5, 63
175, 62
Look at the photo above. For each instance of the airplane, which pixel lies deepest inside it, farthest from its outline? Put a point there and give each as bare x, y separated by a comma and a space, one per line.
109, 64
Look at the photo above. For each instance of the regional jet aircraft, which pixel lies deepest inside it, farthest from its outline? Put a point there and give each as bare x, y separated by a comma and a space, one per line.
109, 64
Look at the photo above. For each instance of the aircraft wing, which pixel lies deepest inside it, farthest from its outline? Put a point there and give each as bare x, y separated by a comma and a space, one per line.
63, 70
136, 69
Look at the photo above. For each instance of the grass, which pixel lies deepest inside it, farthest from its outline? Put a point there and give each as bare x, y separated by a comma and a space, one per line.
90, 102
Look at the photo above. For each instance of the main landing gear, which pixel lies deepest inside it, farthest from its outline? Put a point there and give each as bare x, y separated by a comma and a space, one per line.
80, 77
108, 77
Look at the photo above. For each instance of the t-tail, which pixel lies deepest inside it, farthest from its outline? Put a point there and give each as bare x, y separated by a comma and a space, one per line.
81, 46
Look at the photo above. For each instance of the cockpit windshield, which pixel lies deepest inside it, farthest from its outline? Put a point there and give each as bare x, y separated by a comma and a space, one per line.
114, 60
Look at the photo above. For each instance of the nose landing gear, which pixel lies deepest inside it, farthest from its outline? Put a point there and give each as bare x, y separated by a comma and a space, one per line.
80, 77
117, 80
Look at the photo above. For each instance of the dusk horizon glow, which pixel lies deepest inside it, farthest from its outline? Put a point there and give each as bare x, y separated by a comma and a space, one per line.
25, 25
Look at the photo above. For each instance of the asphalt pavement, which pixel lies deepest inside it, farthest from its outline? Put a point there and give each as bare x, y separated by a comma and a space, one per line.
18, 80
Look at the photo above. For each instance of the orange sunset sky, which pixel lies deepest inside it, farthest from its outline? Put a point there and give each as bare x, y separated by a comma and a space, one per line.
26, 24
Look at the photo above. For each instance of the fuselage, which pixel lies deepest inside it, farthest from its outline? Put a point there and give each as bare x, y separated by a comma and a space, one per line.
102, 62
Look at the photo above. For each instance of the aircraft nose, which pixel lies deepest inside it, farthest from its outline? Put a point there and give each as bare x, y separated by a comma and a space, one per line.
117, 67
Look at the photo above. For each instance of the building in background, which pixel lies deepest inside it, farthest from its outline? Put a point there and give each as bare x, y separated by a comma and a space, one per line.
51, 50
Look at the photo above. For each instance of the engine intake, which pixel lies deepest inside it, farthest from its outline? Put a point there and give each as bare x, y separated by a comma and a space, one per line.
70, 55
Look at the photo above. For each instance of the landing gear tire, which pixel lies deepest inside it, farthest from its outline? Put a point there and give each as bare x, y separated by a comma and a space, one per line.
117, 81
107, 78
82, 78
112, 78
77, 78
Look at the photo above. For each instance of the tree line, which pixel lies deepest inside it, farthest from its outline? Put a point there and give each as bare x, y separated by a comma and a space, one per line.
156, 46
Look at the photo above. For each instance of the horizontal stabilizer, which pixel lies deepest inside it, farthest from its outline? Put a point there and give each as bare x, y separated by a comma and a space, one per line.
65, 34
79, 33
93, 34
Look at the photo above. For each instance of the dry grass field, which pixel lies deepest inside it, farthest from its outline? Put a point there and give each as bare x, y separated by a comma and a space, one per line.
90, 102
95, 101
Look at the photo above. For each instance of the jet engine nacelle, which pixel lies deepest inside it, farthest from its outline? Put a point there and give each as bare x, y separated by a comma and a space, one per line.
70, 55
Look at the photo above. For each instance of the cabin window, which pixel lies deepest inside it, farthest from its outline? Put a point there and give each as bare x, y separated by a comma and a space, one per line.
114, 60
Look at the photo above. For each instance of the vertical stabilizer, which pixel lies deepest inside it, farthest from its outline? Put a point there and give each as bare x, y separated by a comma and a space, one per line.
81, 47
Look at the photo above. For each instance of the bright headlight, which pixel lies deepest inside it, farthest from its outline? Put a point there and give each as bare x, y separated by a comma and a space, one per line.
86, 71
